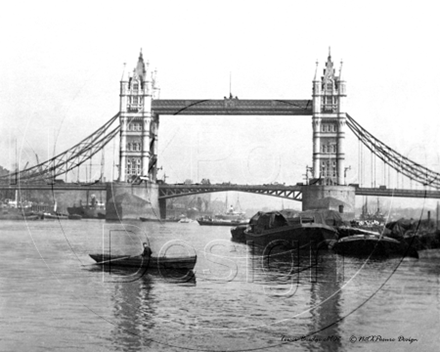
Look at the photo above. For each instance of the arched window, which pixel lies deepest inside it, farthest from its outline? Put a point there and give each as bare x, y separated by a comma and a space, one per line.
133, 166
128, 171
329, 85
129, 146
136, 85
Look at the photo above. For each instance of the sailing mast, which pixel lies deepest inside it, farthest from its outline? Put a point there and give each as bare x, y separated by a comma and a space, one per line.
102, 166
226, 202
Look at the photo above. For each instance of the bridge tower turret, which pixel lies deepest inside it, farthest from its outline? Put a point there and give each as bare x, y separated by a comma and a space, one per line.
329, 119
138, 136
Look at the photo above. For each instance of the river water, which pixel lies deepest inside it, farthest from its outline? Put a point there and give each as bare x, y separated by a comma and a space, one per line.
52, 297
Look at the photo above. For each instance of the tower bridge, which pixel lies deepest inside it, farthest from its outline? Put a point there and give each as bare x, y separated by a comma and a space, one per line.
136, 191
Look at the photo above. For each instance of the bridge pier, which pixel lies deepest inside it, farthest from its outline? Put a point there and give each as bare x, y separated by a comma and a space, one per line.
338, 198
163, 208
127, 201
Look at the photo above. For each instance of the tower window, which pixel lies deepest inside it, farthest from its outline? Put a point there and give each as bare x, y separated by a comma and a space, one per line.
133, 166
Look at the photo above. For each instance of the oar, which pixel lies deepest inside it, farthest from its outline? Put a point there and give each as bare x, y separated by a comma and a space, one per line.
108, 261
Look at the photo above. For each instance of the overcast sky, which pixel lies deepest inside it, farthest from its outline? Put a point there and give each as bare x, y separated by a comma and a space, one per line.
61, 64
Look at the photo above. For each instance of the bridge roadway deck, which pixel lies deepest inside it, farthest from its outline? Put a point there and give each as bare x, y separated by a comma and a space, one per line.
232, 106
172, 191
400, 193
55, 187
289, 192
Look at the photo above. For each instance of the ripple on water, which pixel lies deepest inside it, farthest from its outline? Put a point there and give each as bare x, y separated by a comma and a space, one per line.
236, 300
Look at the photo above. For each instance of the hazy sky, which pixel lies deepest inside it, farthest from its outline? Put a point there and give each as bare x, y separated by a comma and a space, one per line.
61, 64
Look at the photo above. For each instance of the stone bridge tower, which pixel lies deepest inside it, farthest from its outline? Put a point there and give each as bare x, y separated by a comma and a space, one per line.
327, 189
138, 137
329, 118
136, 194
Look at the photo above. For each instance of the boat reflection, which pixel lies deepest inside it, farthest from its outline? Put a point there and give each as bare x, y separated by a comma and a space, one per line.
293, 274
134, 310
325, 300
290, 263
135, 306
127, 275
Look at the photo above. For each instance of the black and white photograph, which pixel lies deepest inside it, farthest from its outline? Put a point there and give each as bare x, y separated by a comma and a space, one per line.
219, 176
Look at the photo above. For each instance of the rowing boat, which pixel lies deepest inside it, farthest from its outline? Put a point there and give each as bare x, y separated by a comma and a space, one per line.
139, 261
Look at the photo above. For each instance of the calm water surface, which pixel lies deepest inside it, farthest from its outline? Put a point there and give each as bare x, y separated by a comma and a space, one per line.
52, 297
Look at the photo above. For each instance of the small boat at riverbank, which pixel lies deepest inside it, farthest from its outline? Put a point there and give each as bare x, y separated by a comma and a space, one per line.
185, 221
51, 216
216, 222
159, 220
141, 262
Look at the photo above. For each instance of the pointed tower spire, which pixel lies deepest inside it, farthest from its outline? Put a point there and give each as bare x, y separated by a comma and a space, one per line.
124, 77
140, 68
316, 71
340, 71
329, 72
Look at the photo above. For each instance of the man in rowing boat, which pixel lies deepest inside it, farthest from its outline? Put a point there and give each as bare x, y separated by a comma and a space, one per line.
147, 250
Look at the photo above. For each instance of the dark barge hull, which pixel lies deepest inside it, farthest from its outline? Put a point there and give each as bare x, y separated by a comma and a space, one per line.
303, 235
372, 245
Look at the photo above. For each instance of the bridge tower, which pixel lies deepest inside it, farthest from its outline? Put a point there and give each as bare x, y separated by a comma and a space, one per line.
137, 193
138, 136
327, 189
329, 116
